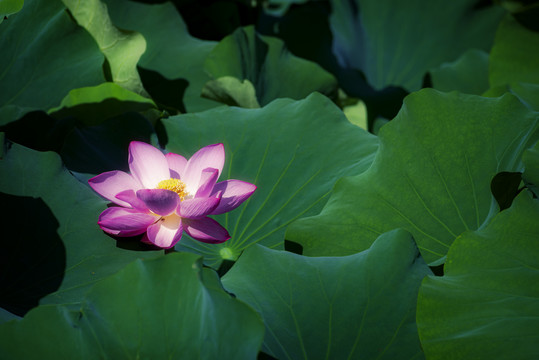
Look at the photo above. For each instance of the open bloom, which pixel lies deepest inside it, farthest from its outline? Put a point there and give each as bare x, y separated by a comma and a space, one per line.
165, 195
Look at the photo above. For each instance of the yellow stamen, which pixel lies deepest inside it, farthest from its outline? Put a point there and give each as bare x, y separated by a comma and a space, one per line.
175, 185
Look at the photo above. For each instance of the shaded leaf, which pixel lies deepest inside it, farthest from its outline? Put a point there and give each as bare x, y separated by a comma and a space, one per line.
158, 309
90, 254
306, 145
468, 74
431, 176
335, 308
513, 62
531, 172
390, 43
487, 303
7, 316
44, 55
265, 62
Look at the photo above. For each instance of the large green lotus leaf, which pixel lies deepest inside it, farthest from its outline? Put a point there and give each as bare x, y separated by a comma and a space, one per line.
486, 306
356, 307
513, 61
396, 42
171, 50
122, 48
431, 175
44, 55
157, 309
468, 74
95, 104
90, 255
294, 151
266, 64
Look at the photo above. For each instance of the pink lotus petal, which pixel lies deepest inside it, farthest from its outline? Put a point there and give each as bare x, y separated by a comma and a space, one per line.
197, 207
110, 183
125, 222
207, 182
147, 164
234, 193
166, 232
160, 201
176, 164
131, 198
211, 156
206, 230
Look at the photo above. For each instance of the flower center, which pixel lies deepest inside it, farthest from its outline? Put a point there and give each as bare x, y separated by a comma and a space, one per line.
175, 185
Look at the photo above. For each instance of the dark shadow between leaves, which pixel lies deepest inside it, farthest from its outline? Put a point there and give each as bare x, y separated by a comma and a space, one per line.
132, 243
264, 356
438, 270
39, 131
225, 266
104, 147
167, 94
505, 187
33, 256
293, 247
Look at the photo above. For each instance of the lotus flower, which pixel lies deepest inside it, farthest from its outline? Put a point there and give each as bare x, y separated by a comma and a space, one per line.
165, 195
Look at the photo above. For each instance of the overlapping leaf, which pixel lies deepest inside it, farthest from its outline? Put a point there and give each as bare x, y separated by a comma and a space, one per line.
122, 48
356, 307
487, 303
431, 176
306, 145
396, 43
90, 255
8, 7
531, 163
171, 50
44, 55
93, 105
513, 62
468, 74
159, 309
263, 70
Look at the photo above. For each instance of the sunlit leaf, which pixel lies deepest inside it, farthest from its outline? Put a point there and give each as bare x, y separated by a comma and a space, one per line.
8, 7
95, 104
122, 48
